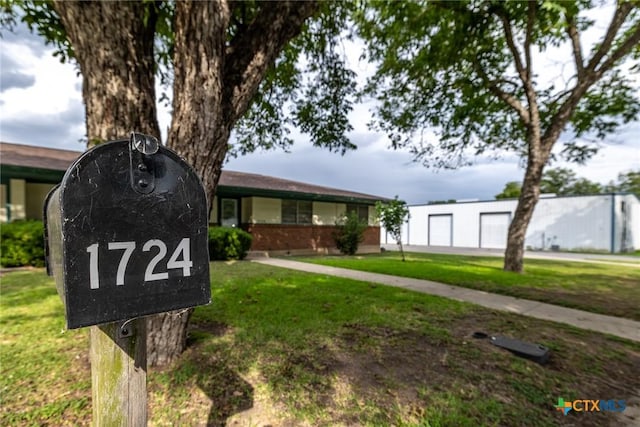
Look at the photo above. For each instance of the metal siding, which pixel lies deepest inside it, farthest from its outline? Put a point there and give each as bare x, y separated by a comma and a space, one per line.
405, 232
634, 221
418, 227
571, 223
627, 227
465, 220
466, 229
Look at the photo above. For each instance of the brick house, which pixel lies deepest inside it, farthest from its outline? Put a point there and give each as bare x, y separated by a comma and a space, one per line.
284, 216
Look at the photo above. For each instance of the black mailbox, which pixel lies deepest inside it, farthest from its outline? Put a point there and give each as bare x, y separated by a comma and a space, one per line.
126, 234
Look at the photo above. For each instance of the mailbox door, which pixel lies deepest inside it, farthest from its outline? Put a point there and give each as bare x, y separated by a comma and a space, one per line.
134, 235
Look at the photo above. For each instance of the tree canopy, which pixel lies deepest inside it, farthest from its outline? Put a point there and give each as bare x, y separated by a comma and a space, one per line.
628, 182
230, 65
511, 190
558, 181
307, 86
565, 182
459, 79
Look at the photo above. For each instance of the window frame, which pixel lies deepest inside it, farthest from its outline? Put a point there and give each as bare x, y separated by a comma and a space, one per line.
303, 214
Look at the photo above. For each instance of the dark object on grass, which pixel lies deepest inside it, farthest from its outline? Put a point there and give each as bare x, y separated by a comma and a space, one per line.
535, 352
480, 335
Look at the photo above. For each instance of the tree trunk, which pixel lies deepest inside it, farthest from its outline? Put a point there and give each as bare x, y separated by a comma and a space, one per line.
169, 337
213, 88
401, 249
113, 45
514, 254
214, 82
198, 130
197, 133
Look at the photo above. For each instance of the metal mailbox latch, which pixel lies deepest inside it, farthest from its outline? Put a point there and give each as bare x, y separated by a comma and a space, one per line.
141, 148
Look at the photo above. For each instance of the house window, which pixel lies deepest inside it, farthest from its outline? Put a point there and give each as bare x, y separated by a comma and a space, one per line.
361, 210
296, 212
229, 212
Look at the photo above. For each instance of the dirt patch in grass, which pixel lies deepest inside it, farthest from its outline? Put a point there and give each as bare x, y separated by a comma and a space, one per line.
381, 375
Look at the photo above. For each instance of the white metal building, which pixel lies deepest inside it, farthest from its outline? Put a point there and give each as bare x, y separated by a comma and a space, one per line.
606, 222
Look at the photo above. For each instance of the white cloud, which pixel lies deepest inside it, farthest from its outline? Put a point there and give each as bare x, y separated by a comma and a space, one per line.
50, 113
47, 112
54, 88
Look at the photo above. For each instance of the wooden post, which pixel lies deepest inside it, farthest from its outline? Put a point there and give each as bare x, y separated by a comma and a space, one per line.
119, 373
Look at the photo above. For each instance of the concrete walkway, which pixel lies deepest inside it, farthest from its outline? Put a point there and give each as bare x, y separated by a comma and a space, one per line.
619, 327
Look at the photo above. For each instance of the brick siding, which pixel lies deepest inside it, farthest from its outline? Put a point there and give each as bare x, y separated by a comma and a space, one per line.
279, 237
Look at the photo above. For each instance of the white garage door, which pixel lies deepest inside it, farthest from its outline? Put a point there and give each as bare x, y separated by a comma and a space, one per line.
494, 228
440, 230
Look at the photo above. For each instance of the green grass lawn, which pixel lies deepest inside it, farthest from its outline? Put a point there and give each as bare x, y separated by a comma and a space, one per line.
600, 288
281, 347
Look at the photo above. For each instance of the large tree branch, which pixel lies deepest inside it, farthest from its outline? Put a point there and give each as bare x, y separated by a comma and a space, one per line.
572, 32
564, 113
593, 73
622, 50
517, 60
506, 97
256, 48
618, 19
533, 127
531, 17
532, 117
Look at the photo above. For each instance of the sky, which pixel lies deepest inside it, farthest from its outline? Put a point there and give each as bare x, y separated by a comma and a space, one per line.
41, 104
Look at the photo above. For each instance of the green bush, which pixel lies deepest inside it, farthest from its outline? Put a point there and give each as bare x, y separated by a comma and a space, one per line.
228, 243
350, 233
22, 243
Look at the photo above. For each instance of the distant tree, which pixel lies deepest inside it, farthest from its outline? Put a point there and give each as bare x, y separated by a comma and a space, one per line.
582, 186
565, 182
392, 216
511, 190
557, 180
458, 79
440, 202
629, 182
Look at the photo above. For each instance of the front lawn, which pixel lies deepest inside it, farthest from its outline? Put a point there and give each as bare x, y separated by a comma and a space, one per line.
612, 289
279, 347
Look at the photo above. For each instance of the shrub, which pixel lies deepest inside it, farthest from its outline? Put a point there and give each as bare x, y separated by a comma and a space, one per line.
228, 243
22, 243
350, 233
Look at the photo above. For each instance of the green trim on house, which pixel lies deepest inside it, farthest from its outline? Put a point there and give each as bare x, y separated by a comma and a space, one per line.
226, 191
44, 176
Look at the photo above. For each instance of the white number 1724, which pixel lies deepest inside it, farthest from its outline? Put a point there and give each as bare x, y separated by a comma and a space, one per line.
183, 251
